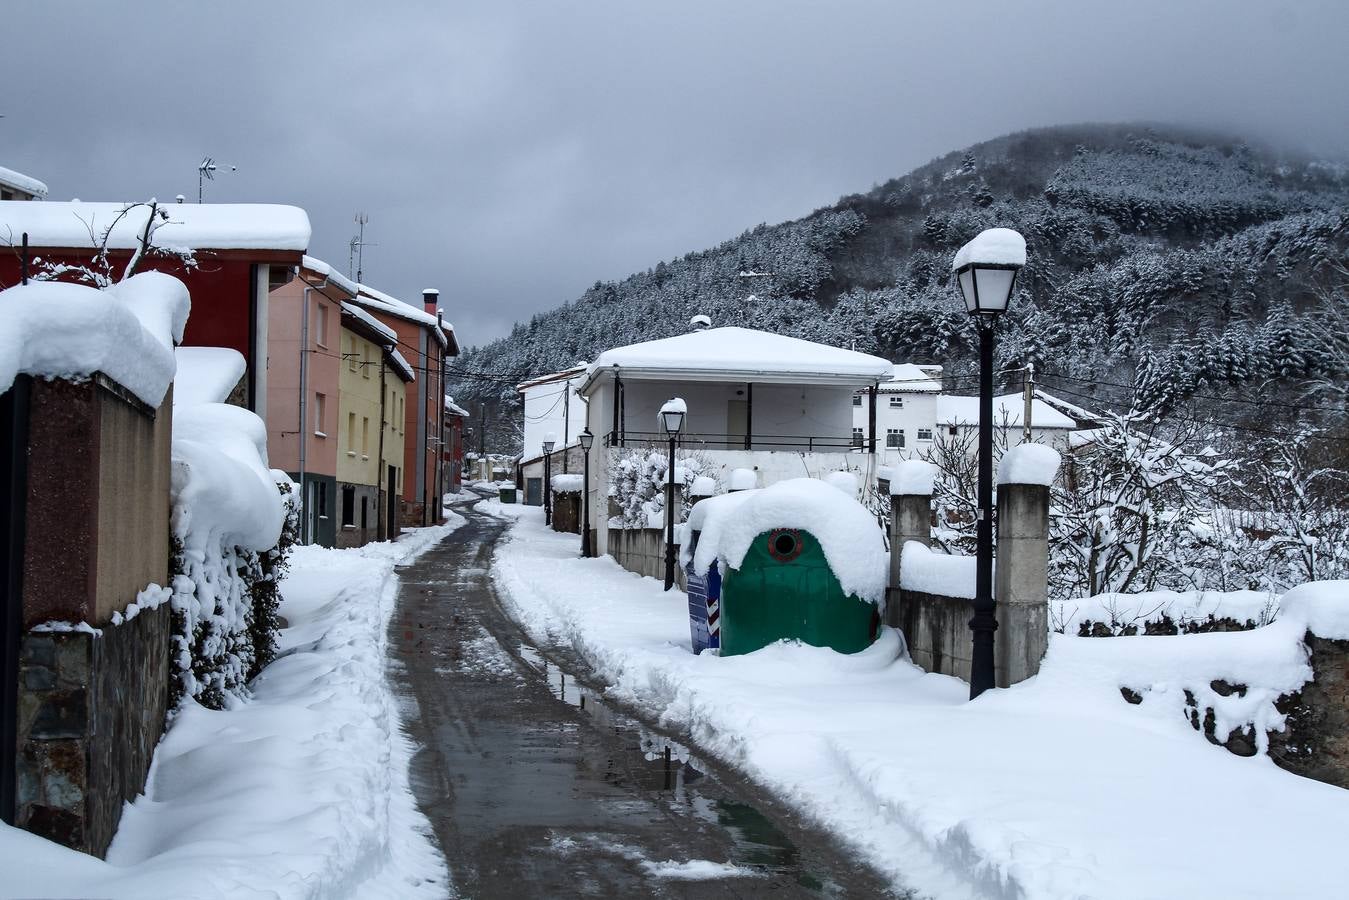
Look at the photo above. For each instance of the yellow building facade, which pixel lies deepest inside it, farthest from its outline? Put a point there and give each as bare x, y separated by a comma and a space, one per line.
371, 401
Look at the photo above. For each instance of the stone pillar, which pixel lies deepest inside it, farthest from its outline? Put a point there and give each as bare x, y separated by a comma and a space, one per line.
910, 520
1021, 585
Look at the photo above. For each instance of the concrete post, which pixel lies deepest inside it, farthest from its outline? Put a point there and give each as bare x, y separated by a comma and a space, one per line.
910, 520
1021, 582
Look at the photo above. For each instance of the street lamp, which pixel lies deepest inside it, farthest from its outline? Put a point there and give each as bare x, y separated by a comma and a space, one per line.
549, 441
671, 419
587, 439
986, 270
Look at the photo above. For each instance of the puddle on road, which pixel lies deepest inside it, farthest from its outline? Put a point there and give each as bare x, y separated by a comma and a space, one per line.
756, 843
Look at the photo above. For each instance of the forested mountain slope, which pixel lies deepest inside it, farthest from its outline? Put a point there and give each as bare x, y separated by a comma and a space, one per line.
1187, 274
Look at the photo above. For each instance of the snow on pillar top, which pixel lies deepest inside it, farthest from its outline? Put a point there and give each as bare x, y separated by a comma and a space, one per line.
1029, 464
913, 478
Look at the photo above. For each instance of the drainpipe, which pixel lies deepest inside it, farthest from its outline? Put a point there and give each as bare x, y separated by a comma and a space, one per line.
383, 509
305, 536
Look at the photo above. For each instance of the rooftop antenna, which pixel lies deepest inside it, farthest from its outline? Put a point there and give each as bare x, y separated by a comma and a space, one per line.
206, 172
357, 245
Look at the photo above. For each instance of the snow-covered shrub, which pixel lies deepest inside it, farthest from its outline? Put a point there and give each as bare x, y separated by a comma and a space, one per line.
1121, 517
265, 586
638, 478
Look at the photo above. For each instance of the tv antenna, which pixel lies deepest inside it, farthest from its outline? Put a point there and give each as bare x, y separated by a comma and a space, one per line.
357, 245
206, 172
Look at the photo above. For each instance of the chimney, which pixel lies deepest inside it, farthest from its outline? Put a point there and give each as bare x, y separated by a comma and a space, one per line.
700, 322
430, 300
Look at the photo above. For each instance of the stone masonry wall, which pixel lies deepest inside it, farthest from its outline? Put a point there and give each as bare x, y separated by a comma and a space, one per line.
91, 710
642, 550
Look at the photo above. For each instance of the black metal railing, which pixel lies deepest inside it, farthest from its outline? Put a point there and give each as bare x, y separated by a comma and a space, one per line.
810, 443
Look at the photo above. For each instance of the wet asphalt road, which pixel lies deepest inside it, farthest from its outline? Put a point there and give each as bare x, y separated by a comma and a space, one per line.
536, 788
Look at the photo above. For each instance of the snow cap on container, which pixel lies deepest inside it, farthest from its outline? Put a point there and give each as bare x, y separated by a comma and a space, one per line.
743, 480
844, 481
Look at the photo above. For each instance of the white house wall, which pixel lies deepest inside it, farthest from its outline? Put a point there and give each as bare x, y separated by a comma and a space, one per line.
777, 411
553, 408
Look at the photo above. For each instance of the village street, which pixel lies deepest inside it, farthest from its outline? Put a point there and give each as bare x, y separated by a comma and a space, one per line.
535, 787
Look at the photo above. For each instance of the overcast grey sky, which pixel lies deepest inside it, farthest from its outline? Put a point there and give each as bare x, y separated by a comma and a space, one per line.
513, 153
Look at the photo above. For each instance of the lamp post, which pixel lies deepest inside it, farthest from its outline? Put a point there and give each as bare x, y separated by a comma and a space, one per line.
587, 439
986, 270
549, 442
672, 420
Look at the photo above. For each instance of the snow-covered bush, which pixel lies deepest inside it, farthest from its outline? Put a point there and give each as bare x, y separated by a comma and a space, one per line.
638, 478
1122, 516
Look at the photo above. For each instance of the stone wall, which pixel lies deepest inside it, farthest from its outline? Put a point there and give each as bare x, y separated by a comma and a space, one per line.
1315, 743
937, 632
642, 550
91, 710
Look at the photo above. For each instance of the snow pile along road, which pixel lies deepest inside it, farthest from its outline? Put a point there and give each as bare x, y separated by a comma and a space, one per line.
1054, 788
300, 792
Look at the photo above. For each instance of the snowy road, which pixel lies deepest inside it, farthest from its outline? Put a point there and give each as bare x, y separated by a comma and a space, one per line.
535, 788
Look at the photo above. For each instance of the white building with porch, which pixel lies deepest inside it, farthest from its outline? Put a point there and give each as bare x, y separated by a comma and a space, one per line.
779, 406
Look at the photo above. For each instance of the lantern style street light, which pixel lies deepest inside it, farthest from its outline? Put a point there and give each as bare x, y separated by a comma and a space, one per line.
986, 269
549, 441
672, 420
587, 439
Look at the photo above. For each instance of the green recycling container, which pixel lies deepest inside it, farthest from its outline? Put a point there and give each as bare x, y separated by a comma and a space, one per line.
785, 588
506, 494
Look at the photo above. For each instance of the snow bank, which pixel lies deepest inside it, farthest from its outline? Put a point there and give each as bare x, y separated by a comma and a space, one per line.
995, 246
71, 331
928, 572
1055, 788
300, 794
913, 478
206, 374
847, 532
568, 484
1029, 464
1322, 606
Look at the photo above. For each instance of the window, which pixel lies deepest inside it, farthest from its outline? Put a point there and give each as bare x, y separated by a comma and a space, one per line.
365, 516
322, 498
321, 326
856, 399
320, 402
365, 437
857, 437
896, 401
365, 360
951, 430
348, 505
894, 438
925, 434
351, 431
351, 354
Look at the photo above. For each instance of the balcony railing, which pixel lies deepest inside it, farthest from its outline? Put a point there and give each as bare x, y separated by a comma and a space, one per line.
809, 443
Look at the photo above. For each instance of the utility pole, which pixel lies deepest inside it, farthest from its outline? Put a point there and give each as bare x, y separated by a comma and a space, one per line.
1027, 395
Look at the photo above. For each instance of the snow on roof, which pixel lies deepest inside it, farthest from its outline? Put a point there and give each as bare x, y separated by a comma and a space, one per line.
196, 226
322, 269
206, 374
60, 330
744, 351
909, 378
1029, 464
852, 541
1070, 409
402, 366
562, 375
377, 300
22, 182
958, 410
995, 246
454, 408
384, 330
